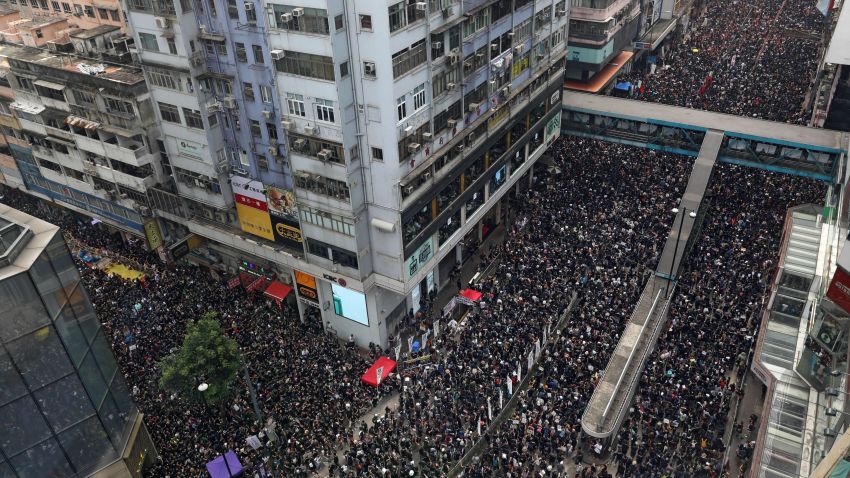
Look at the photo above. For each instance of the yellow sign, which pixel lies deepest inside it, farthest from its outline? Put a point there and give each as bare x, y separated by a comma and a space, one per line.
255, 221
153, 234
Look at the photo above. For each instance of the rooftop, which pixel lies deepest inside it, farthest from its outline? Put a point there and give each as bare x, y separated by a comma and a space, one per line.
72, 63
36, 22
85, 34
22, 239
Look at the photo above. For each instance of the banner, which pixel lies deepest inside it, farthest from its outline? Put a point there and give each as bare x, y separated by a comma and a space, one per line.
256, 284
287, 231
233, 282
152, 234
510, 386
436, 328
839, 288
306, 285
251, 207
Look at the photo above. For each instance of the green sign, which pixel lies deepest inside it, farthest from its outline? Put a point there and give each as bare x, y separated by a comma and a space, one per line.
553, 128
420, 256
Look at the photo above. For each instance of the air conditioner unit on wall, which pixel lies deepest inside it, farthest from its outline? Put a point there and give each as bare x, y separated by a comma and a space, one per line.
249, 6
162, 22
229, 102
311, 129
287, 124
267, 114
278, 54
297, 12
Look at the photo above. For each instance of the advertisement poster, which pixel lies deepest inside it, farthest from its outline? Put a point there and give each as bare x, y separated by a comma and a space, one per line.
839, 289
307, 287
284, 217
251, 207
153, 235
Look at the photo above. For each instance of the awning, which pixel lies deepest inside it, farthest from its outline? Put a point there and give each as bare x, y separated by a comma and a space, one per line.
49, 84
212, 74
383, 366
603, 77
471, 294
219, 469
211, 36
277, 291
81, 122
27, 107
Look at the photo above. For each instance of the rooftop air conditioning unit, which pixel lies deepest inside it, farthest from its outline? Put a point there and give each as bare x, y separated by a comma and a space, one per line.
285, 17
267, 114
229, 102
214, 107
162, 22
438, 45
277, 54
249, 6
324, 154
426, 136
287, 124
408, 130
421, 6
473, 107
311, 129
451, 122
300, 144
413, 147
297, 12
447, 12
450, 86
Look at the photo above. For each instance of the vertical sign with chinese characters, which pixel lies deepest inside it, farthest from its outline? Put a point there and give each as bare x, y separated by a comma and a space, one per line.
420, 256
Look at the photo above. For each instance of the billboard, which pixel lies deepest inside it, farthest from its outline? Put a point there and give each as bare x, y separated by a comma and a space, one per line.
284, 217
153, 235
349, 304
251, 207
839, 289
306, 285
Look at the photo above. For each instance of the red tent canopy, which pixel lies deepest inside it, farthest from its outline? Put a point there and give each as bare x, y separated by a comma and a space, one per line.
471, 294
277, 291
386, 365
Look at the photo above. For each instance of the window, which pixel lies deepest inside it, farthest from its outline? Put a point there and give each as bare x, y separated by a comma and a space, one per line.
172, 46
83, 97
256, 131
213, 10
163, 79
248, 91
258, 54
377, 154
296, 105
148, 41
113, 15
324, 110
305, 64
311, 20
339, 24
241, 53
409, 58
169, 113
104, 15
116, 106
66, 7
26, 83
221, 48
197, 180
262, 163
310, 146
193, 118
401, 108
327, 220
366, 22
419, 97
232, 11
89, 11
56, 6
265, 94
39, 33
343, 69
404, 13
444, 80
476, 23
271, 130
213, 120
322, 185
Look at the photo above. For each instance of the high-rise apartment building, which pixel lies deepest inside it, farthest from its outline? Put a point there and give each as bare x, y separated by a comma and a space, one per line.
86, 133
601, 35
85, 14
64, 404
356, 152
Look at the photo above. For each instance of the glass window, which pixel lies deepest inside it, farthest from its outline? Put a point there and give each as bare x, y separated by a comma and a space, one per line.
23, 426
148, 41
104, 357
169, 113
92, 379
305, 64
44, 459
71, 335
113, 420
296, 104
21, 309
13, 387
324, 110
119, 391
193, 118
258, 54
40, 357
401, 108
86, 443
419, 97
64, 402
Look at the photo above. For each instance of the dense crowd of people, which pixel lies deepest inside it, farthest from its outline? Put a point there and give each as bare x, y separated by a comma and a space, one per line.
594, 229
306, 381
755, 59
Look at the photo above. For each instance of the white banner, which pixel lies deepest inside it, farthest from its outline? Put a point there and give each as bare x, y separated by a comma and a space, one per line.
479, 427
489, 410
379, 373
410, 344
501, 404
518, 371
537, 349
510, 386
398, 352
447, 310
530, 360
425, 339
436, 328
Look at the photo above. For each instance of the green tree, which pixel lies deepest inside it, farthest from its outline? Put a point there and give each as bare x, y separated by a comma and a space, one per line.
207, 356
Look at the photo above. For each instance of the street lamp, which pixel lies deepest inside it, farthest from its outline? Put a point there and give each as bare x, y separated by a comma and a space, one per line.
692, 215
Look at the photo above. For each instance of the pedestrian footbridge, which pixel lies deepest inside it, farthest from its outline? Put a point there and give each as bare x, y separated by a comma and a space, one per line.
810, 152
610, 402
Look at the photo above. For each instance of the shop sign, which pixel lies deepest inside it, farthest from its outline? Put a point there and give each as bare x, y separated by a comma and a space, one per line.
553, 128
306, 285
152, 234
189, 148
420, 256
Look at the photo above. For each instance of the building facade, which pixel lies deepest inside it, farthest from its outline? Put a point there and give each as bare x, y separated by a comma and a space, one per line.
64, 404
87, 135
357, 153
85, 14
599, 31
